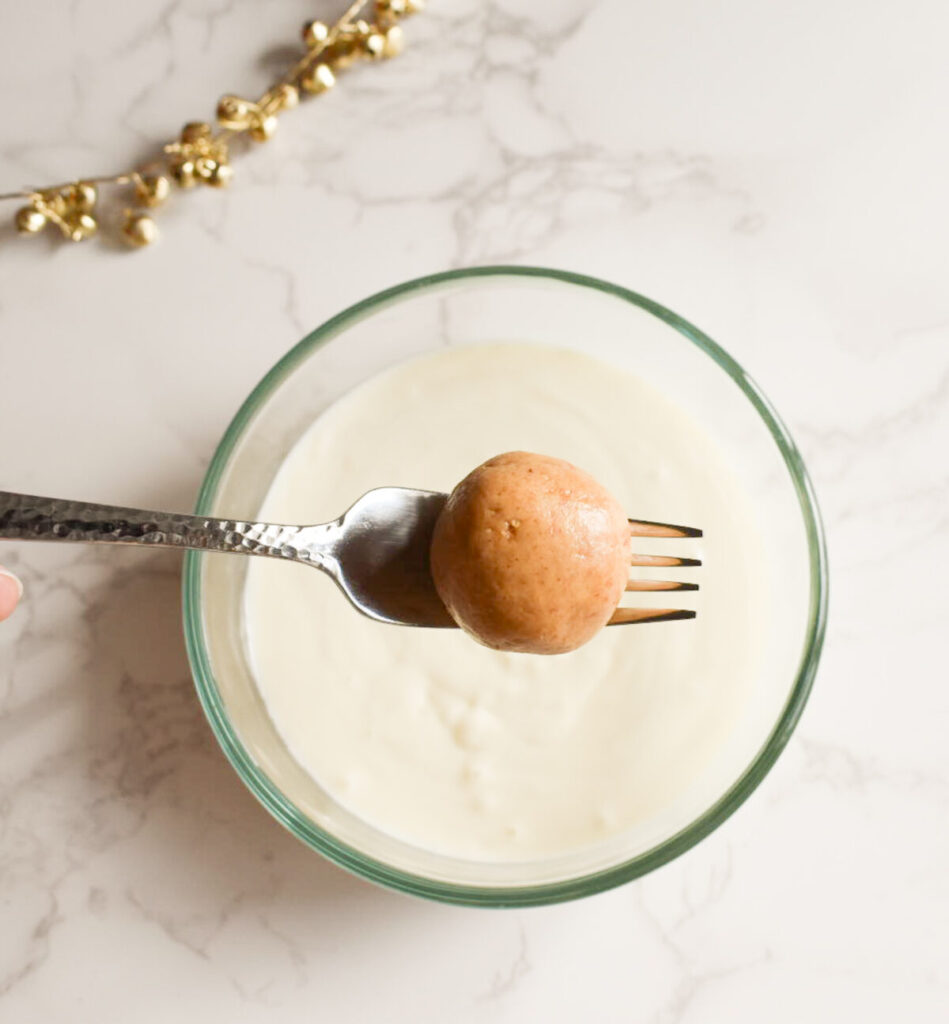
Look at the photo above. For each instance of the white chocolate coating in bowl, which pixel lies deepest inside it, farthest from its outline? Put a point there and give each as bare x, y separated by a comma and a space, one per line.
488, 755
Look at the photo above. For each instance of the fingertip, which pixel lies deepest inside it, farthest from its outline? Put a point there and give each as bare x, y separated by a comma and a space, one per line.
11, 589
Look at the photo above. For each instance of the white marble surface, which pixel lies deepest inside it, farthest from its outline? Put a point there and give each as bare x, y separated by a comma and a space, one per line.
775, 172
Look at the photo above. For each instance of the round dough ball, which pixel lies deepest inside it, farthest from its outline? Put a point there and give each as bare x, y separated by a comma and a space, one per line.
531, 554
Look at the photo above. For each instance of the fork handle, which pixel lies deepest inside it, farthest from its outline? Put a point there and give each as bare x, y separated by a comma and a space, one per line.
28, 517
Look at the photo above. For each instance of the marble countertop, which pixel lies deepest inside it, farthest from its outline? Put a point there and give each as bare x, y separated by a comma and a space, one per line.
777, 174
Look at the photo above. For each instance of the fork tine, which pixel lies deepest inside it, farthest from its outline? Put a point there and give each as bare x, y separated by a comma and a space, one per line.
660, 585
663, 560
626, 616
647, 528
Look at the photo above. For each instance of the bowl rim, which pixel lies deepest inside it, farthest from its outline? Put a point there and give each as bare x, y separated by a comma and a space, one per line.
377, 871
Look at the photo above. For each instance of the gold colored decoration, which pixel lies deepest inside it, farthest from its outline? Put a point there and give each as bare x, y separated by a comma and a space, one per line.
259, 120
151, 189
198, 155
70, 207
30, 220
138, 228
315, 33
318, 79
201, 153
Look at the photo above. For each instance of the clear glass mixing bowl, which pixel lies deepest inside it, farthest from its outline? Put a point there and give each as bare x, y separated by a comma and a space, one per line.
465, 307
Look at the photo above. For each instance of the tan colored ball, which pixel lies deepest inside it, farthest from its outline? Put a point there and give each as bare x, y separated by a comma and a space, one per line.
531, 554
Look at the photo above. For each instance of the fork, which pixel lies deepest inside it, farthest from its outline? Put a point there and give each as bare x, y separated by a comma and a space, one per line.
376, 552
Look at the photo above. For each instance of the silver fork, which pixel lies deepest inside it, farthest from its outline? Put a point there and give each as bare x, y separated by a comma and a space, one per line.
376, 552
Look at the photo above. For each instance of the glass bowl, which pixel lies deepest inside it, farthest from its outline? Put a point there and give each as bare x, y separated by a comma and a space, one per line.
465, 307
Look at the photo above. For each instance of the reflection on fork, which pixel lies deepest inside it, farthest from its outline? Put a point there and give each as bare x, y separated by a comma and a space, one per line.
646, 528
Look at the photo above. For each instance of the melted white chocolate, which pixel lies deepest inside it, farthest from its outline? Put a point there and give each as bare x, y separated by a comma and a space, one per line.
476, 753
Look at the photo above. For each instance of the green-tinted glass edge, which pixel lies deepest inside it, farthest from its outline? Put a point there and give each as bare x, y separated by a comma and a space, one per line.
553, 892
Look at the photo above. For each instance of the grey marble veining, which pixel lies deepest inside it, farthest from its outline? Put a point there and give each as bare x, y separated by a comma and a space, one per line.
773, 173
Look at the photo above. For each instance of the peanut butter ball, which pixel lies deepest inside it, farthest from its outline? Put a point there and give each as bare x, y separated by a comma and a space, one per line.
531, 554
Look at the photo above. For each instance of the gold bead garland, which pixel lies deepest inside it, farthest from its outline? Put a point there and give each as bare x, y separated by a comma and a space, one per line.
201, 153
69, 207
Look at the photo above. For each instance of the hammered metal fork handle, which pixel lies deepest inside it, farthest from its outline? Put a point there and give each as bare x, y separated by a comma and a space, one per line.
27, 517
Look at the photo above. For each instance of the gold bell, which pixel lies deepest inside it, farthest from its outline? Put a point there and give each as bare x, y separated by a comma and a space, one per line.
264, 128
344, 54
195, 131
241, 115
204, 167
315, 33
220, 175
348, 46
284, 97
318, 79
81, 195
151, 189
395, 41
374, 45
138, 228
30, 221
235, 113
183, 171
77, 227
387, 9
